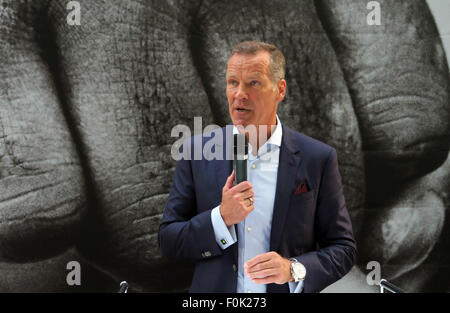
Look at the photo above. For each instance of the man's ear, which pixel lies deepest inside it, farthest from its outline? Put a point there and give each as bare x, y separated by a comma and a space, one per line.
281, 90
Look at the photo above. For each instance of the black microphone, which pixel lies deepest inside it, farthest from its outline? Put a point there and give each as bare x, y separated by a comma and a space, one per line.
240, 155
123, 287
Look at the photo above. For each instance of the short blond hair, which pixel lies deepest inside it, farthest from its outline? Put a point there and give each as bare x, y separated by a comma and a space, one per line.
277, 61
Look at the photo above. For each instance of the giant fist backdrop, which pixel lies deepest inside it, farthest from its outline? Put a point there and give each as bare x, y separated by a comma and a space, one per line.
86, 114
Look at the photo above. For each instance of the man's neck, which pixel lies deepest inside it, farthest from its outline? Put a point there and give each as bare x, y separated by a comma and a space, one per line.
260, 139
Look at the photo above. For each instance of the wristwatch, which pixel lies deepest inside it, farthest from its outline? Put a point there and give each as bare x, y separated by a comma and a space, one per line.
298, 270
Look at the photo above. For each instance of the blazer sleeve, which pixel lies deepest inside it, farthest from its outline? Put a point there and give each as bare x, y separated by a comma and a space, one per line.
333, 230
184, 233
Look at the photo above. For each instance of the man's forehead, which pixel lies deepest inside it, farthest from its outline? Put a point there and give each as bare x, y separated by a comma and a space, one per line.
257, 63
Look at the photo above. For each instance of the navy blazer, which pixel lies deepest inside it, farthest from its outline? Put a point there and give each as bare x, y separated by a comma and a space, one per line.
313, 227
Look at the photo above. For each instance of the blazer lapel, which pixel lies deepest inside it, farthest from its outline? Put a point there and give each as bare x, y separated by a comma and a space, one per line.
287, 168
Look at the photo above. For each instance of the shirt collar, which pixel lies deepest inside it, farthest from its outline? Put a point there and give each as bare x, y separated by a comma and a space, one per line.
275, 137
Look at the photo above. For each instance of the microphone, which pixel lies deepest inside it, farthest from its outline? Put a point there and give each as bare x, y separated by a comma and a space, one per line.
123, 287
240, 155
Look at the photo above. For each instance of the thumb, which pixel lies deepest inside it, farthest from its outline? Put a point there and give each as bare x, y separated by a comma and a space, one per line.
230, 181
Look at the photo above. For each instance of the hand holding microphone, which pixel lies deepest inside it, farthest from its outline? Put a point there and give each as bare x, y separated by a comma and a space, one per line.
237, 201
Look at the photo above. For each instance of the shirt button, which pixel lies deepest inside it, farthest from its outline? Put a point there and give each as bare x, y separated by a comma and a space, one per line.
249, 228
253, 166
234, 267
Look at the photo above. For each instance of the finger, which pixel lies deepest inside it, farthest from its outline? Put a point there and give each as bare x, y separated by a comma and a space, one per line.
246, 195
262, 273
242, 187
125, 111
266, 280
249, 209
230, 182
248, 205
258, 259
389, 104
259, 267
46, 275
422, 200
42, 191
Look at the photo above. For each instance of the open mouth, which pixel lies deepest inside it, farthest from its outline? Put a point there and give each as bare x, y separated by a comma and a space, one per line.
241, 110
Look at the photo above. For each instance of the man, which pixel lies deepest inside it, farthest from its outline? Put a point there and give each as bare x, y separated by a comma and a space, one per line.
287, 228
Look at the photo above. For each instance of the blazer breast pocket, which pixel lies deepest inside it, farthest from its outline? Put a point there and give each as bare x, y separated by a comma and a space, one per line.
303, 207
306, 196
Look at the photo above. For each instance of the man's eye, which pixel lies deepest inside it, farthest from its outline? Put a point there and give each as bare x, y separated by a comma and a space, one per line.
255, 83
233, 82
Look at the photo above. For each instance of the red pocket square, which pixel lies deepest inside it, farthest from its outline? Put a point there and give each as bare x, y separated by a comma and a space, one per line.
302, 188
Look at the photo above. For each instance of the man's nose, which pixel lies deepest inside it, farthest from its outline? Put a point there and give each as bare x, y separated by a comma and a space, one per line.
241, 92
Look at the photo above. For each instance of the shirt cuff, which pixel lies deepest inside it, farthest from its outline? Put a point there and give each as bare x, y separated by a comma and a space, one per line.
296, 287
225, 236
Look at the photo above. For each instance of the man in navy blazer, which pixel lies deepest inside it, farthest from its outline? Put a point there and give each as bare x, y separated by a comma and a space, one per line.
308, 240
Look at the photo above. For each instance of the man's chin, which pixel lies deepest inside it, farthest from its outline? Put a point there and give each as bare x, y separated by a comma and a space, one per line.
240, 124
242, 121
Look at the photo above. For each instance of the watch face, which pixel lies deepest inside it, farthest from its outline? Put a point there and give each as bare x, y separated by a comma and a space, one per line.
299, 271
